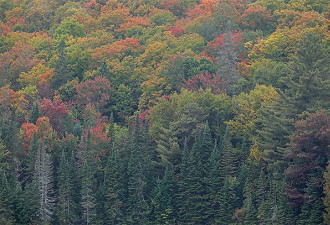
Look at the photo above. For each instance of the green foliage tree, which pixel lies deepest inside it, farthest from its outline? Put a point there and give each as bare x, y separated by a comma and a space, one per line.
137, 170
66, 204
61, 72
163, 200
115, 189
35, 114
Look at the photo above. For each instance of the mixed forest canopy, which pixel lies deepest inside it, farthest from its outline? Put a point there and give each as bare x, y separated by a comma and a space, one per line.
164, 112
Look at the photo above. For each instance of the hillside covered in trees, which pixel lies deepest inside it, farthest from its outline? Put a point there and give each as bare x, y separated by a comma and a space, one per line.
138, 112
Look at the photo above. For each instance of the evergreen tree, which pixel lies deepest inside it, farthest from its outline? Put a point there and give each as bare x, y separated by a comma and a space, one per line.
274, 136
61, 72
32, 153
103, 70
137, 205
313, 208
207, 146
77, 130
6, 212
229, 157
250, 211
67, 205
115, 194
168, 149
43, 179
194, 195
214, 182
163, 201
111, 131
326, 198
228, 201
87, 186
308, 85
35, 114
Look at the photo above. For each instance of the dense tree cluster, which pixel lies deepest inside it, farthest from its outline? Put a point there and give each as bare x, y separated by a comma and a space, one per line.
164, 112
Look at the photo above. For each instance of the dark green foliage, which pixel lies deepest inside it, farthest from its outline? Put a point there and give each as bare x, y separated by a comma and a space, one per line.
229, 157
193, 188
308, 84
313, 207
66, 205
115, 190
32, 153
274, 135
61, 72
103, 70
35, 114
6, 213
137, 170
163, 200
88, 183
228, 200
77, 130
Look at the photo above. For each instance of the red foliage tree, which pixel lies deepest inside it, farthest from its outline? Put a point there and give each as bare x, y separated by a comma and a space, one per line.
27, 130
204, 81
309, 152
97, 92
55, 110
256, 17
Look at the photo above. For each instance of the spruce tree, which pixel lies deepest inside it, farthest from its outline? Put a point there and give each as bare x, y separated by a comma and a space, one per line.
214, 182
115, 194
137, 205
229, 157
6, 212
163, 202
228, 201
194, 195
35, 114
87, 186
66, 205
43, 180
61, 72
32, 153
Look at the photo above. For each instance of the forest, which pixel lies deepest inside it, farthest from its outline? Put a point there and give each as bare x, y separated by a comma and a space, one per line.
155, 112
